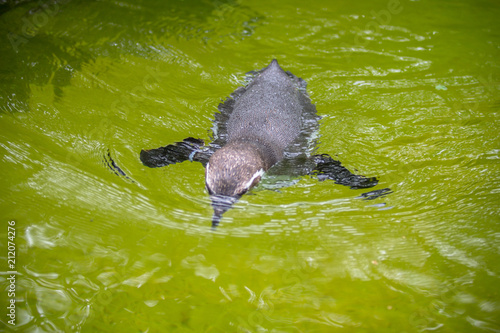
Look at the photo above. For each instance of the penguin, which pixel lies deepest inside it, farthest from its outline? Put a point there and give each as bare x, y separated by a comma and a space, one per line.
268, 123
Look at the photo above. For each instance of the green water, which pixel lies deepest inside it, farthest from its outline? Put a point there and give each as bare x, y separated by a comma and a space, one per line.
409, 92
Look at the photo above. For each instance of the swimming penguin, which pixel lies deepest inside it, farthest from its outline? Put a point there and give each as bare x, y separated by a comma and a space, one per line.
269, 122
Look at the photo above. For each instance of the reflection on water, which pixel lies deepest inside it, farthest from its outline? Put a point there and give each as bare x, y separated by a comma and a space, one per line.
410, 97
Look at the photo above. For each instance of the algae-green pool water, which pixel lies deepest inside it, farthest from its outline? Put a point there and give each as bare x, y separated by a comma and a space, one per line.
408, 92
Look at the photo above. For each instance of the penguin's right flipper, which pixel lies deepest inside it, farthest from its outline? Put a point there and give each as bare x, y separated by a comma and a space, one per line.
187, 149
328, 168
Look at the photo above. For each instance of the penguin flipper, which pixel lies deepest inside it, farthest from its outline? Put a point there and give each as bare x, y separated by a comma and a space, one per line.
328, 168
187, 149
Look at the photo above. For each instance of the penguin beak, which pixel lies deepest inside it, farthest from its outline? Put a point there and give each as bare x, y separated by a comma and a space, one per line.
221, 204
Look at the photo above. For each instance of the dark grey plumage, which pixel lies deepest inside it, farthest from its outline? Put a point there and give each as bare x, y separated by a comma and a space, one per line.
268, 113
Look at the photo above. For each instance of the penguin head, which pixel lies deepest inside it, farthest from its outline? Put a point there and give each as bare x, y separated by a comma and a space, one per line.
233, 170
230, 172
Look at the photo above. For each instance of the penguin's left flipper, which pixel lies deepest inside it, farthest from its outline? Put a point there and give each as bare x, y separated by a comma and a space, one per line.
328, 168
187, 149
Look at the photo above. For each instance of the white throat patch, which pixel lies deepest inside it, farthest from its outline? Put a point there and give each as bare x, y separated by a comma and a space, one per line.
206, 177
255, 175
